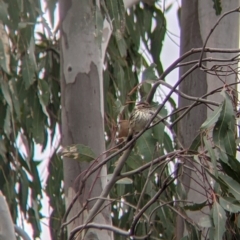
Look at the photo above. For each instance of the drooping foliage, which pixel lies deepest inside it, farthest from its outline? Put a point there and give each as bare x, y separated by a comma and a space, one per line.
30, 111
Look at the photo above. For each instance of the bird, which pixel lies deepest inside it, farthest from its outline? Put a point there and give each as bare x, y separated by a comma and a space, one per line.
139, 118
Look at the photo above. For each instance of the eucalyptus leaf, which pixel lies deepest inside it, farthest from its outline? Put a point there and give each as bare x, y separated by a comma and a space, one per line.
149, 73
134, 161
212, 154
15, 98
205, 221
7, 123
213, 118
79, 152
224, 129
121, 181
4, 12
168, 142
219, 220
23, 190
196, 143
217, 5
233, 186
230, 204
28, 71
195, 206
146, 146
4, 50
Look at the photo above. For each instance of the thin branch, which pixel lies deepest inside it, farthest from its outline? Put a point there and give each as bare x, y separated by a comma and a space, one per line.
150, 202
145, 186
107, 227
211, 31
185, 55
161, 159
197, 99
210, 59
186, 218
109, 185
166, 203
98, 226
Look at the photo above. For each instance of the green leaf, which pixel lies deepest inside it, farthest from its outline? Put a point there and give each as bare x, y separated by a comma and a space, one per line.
185, 238
205, 221
134, 161
36, 119
7, 123
212, 155
211, 120
121, 181
217, 6
6, 93
34, 219
79, 152
157, 37
181, 191
36, 182
121, 44
168, 142
149, 73
233, 186
146, 146
229, 204
196, 143
219, 220
158, 134
238, 221
3, 12
224, 129
15, 99
28, 71
117, 13
4, 50
195, 206
44, 95
23, 190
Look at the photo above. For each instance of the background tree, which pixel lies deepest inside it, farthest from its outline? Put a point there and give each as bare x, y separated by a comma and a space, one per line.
82, 107
197, 19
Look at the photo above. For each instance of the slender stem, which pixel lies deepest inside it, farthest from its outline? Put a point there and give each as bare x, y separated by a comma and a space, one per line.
212, 30
109, 185
150, 202
185, 55
145, 186
187, 96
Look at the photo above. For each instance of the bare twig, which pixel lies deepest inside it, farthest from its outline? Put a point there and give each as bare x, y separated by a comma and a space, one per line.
185, 55
150, 202
211, 31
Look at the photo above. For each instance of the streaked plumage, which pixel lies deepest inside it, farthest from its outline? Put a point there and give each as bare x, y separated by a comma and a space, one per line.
139, 118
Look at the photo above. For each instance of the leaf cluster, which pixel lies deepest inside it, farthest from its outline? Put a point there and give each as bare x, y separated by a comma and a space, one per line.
30, 111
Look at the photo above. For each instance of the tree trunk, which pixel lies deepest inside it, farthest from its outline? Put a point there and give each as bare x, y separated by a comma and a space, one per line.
6, 223
82, 107
197, 19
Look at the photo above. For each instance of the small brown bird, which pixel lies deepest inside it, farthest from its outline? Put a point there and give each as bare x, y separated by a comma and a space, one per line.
139, 118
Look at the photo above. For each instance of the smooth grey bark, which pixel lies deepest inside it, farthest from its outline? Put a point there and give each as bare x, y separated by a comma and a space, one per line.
197, 19
194, 84
82, 107
6, 224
